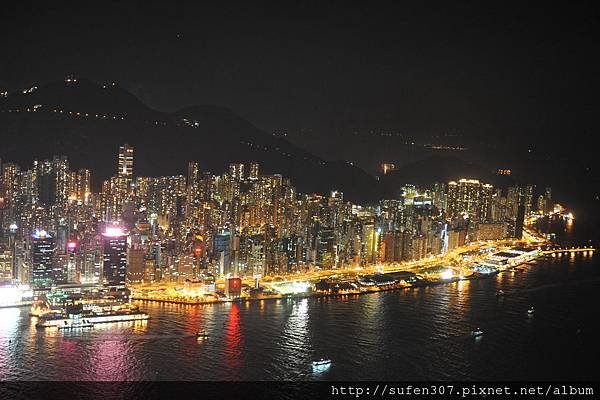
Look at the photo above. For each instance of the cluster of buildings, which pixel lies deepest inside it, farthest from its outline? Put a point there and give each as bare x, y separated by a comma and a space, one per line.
55, 230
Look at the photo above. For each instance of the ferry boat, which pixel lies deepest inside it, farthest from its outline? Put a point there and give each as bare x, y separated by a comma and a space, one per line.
76, 325
92, 315
202, 335
477, 333
530, 311
321, 364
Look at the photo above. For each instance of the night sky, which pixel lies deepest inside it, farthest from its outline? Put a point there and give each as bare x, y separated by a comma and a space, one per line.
490, 71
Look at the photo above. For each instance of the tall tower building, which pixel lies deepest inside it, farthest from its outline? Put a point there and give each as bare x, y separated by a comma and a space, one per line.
42, 253
548, 201
469, 198
485, 203
193, 187
528, 198
518, 202
83, 185
114, 256
193, 177
463, 198
123, 181
236, 171
254, 171
60, 167
125, 168
46, 182
439, 196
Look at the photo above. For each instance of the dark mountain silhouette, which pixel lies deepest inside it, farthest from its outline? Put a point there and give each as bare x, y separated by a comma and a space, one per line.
87, 122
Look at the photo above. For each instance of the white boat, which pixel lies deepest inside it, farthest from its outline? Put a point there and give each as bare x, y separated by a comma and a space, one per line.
322, 363
49, 320
477, 333
201, 335
531, 311
76, 325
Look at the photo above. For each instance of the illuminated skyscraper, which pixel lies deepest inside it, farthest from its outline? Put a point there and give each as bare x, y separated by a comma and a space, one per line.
469, 198
548, 200
121, 186
62, 179
485, 203
193, 177
42, 252
439, 196
236, 171
222, 251
254, 171
193, 188
114, 250
125, 168
10, 173
83, 185
528, 198
463, 198
518, 202
46, 182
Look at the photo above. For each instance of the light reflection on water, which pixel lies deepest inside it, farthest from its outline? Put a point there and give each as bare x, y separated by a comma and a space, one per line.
408, 334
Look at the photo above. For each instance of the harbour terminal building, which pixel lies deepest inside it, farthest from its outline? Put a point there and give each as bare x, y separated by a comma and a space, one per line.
506, 259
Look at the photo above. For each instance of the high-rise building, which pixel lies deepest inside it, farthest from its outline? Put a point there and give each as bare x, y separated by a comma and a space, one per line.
548, 196
84, 185
46, 182
541, 204
518, 203
491, 231
528, 198
62, 179
6, 267
114, 251
123, 184
470, 199
439, 196
236, 171
222, 251
125, 167
254, 172
485, 203
326, 249
463, 198
42, 254
136, 265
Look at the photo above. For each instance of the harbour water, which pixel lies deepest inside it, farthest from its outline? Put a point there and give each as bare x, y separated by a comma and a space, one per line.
415, 334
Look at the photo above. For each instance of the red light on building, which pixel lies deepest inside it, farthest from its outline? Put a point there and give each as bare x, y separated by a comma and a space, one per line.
72, 246
233, 287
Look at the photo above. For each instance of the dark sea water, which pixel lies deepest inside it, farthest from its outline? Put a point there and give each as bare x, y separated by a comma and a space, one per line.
417, 334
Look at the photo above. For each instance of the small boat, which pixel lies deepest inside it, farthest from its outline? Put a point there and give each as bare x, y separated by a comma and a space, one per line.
531, 311
202, 335
477, 333
500, 292
76, 325
322, 363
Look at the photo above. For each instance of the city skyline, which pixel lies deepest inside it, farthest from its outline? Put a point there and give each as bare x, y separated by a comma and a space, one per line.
299, 200
239, 206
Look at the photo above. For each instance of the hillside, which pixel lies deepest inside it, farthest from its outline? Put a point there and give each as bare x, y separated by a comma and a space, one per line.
88, 121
